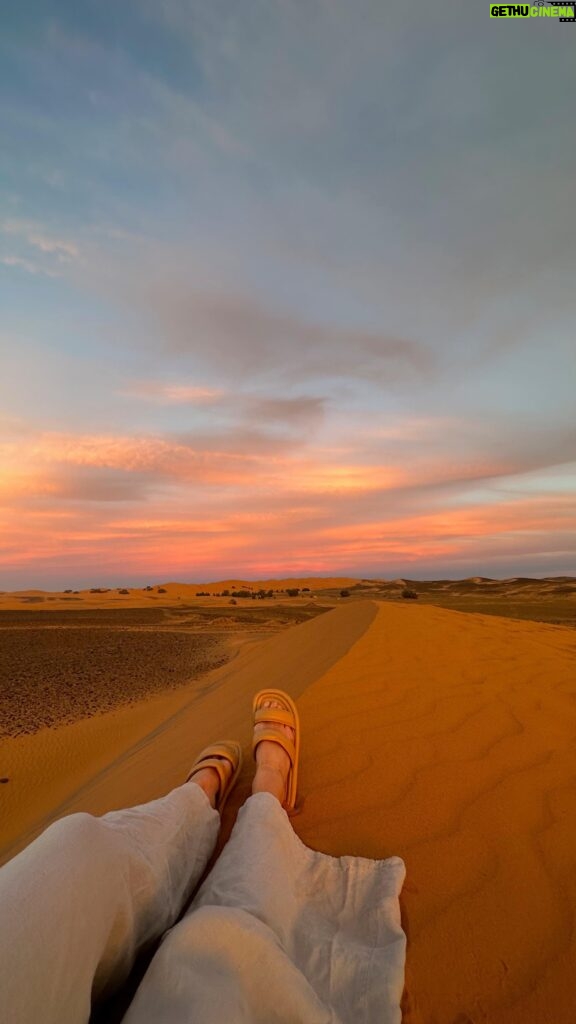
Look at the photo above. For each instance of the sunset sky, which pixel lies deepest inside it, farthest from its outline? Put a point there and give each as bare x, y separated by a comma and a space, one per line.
287, 287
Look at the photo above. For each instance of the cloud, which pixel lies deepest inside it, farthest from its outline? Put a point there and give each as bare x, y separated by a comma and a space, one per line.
28, 265
458, 526
183, 457
171, 394
255, 541
279, 463
39, 238
305, 410
98, 484
243, 339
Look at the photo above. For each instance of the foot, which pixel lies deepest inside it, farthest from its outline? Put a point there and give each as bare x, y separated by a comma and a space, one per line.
272, 761
209, 780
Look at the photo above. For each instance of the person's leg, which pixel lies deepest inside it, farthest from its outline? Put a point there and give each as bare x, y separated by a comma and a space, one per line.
263, 846
83, 898
223, 961
279, 932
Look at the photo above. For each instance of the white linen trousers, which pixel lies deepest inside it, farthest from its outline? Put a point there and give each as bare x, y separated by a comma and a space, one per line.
277, 933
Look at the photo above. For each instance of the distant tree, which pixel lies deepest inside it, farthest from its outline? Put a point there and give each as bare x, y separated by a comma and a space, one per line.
232, 601
305, 590
123, 591
410, 595
67, 591
344, 593
293, 591
225, 593
162, 590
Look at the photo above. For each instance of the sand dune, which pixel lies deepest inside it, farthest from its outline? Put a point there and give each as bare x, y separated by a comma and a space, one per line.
165, 595
443, 737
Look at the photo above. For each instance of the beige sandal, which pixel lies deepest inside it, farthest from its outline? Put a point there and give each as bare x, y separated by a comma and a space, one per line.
214, 756
287, 714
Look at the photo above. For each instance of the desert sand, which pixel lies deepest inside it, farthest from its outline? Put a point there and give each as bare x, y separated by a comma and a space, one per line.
442, 737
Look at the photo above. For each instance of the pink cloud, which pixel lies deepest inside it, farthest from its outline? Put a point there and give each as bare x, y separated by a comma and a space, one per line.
270, 542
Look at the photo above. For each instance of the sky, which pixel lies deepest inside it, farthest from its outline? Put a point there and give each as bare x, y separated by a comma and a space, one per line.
286, 288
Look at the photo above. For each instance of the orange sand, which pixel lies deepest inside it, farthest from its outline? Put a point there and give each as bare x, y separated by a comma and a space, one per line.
443, 737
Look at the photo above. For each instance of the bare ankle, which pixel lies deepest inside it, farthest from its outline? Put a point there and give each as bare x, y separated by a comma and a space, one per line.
269, 779
209, 782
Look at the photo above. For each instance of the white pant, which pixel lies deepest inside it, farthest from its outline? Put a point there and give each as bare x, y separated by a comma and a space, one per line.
277, 932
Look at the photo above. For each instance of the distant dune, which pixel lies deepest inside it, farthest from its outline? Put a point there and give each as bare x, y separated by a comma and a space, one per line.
448, 739
523, 597
166, 594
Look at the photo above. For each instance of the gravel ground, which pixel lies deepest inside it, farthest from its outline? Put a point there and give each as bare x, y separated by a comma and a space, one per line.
49, 676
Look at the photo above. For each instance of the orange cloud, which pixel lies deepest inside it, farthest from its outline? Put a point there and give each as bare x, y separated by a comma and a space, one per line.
158, 506
268, 541
38, 463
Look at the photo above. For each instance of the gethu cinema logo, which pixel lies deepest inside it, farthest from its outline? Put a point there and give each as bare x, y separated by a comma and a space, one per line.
530, 11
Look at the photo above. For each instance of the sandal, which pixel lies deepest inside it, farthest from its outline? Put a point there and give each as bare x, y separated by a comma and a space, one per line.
214, 756
285, 715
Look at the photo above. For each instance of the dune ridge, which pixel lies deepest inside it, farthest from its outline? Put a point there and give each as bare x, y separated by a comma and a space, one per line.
135, 754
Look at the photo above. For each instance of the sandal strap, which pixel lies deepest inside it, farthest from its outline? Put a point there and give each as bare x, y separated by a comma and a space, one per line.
280, 716
276, 736
212, 762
